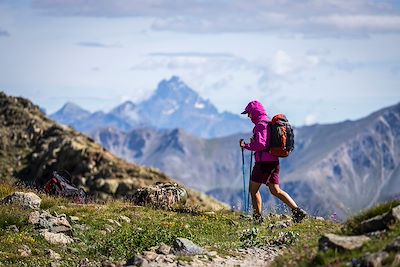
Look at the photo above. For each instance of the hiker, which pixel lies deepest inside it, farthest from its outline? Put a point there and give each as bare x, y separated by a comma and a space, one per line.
266, 168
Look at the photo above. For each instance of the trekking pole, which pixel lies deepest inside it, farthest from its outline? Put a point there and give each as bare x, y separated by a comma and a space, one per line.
244, 183
248, 193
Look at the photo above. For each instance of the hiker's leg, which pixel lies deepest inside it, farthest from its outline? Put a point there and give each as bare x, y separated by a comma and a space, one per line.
255, 197
282, 195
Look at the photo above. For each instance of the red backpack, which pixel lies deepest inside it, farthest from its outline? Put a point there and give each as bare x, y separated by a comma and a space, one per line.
282, 136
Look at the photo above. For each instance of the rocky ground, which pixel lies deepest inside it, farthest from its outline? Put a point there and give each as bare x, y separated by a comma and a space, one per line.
372, 240
58, 229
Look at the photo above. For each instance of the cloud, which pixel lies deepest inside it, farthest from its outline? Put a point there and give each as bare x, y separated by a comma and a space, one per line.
310, 119
98, 45
4, 33
284, 64
191, 60
193, 54
364, 23
310, 18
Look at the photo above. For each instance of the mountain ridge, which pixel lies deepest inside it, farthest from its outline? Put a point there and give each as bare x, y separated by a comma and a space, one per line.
172, 105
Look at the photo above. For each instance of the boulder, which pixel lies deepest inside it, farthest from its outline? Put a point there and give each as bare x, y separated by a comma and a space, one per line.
27, 200
161, 195
57, 238
374, 259
380, 222
47, 222
342, 243
185, 247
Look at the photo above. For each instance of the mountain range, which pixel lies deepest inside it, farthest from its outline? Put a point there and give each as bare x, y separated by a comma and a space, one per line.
172, 105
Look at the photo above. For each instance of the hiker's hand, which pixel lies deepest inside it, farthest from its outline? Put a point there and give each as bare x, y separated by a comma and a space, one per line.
242, 143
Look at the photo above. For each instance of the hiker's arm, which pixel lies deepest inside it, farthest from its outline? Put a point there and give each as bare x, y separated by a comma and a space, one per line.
259, 141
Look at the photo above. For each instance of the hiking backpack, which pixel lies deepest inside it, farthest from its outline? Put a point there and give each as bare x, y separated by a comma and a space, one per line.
60, 185
282, 136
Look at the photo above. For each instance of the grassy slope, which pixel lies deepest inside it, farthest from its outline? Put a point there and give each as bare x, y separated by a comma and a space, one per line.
304, 252
219, 231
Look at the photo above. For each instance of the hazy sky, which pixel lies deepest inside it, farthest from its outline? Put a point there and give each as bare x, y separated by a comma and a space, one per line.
316, 61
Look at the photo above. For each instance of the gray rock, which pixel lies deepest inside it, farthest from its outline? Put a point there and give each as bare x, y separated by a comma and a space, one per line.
25, 251
163, 249
374, 259
380, 222
162, 195
108, 228
149, 255
137, 261
34, 217
57, 238
279, 225
185, 247
61, 229
52, 254
61, 221
393, 246
341, 242
27, 200
74, 219
12, 228
123, 218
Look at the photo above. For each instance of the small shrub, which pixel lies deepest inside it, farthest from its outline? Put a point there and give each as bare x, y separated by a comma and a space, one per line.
249, 238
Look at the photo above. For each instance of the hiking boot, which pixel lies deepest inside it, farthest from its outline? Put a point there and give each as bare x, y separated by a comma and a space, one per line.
298, 214
258, 219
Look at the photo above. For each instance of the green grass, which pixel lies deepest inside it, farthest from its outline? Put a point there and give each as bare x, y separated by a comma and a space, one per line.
305, 248
149, 227
305, 251
221, 231
340, 259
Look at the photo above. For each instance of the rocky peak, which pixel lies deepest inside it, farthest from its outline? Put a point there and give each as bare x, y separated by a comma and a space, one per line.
127, 106
174, 87
72, 109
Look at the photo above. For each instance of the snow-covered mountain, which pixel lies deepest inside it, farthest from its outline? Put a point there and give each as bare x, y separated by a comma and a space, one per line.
337, 168
172, 105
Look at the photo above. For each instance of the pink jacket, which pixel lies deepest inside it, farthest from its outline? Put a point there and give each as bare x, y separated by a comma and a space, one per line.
261, 132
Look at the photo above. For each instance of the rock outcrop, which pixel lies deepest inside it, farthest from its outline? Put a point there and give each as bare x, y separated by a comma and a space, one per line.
342, 243
27, 200
380, 222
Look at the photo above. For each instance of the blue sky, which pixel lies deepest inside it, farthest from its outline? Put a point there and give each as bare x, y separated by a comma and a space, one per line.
315, 61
